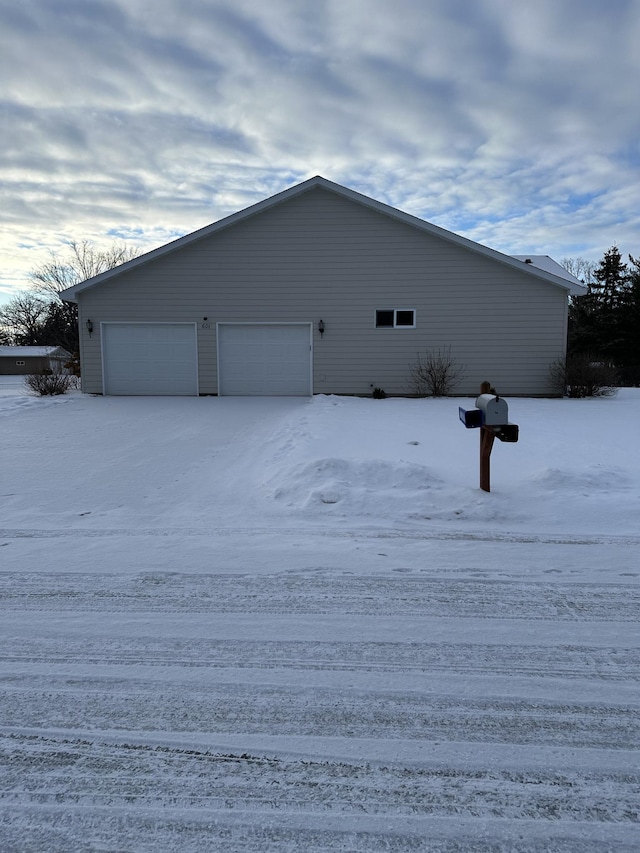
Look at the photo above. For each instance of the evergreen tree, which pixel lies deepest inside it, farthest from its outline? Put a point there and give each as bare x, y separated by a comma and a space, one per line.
60, 326
583, 334
596, 320
629, 324
611, 280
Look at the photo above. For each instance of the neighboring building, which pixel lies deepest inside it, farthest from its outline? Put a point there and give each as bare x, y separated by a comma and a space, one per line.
319, 289
19, 361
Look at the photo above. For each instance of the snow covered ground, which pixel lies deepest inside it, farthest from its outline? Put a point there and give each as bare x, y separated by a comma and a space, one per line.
298, 625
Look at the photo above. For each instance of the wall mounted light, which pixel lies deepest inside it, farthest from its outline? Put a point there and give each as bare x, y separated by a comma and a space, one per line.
321, 327
89, 327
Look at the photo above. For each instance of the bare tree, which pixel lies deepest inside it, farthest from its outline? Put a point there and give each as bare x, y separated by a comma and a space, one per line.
82, 261
40, 317
23, 318
580, 268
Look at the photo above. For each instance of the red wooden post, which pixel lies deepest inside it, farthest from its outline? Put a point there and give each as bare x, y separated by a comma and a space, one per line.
487, 437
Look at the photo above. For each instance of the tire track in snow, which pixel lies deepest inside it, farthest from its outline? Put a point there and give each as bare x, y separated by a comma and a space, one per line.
73, 702
71, 781
428, 534
320, 593
562, 661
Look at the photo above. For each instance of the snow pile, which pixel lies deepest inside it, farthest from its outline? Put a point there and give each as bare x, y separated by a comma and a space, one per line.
356, 485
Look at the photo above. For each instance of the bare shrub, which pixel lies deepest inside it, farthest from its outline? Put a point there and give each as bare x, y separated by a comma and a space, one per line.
50, 382
436, 373
581, 375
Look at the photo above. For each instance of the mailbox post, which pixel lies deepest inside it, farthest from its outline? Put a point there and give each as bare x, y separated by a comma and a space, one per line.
491, 416
487, 437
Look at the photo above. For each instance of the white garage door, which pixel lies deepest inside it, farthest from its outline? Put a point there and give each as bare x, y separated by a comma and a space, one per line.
264, 360
150, 358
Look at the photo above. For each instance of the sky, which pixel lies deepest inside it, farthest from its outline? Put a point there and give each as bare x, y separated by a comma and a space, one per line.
512, 123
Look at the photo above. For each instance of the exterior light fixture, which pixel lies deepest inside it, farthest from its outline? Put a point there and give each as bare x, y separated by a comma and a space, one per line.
89, 327
321, 327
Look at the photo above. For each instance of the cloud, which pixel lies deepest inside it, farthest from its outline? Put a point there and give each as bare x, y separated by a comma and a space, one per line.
514, 124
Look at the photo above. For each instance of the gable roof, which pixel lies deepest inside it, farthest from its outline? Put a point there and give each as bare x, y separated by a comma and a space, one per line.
564, 279
31, 352
544, 262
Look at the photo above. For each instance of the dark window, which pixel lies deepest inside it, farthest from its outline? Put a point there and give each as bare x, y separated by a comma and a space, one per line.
395, 318
384, 319
404, 318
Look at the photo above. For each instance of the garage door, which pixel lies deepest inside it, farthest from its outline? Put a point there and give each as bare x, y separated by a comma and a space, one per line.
264, 359
150, 358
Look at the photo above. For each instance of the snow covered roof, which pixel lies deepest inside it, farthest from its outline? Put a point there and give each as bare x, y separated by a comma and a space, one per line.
544, 262
553, 277
31, 352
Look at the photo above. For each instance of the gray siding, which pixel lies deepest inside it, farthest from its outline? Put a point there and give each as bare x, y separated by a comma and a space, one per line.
319, 255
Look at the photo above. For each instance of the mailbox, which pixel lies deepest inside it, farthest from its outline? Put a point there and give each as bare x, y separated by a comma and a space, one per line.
495, 411
471, 418
508, 432
491, 411
491, 416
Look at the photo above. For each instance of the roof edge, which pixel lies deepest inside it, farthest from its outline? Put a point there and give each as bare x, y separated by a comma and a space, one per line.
575, 287
70, 294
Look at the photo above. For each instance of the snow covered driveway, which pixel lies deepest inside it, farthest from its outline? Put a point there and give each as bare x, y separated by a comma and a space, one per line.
250, 625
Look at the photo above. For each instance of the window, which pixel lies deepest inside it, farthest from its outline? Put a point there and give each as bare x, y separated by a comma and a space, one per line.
396, 318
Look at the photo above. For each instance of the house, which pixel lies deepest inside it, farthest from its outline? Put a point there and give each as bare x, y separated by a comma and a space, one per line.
21, 361
319, 289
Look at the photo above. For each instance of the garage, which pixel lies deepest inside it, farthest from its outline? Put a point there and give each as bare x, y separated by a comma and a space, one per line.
150, 358
264, 359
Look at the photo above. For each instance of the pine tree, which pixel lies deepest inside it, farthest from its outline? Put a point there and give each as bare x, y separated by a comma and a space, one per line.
629, 322
597, 319
611, 280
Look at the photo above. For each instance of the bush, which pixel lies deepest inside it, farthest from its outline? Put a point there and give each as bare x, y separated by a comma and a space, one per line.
50, 382
581, 375
436, 373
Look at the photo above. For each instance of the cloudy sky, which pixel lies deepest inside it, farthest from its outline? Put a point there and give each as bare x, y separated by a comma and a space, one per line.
513, 122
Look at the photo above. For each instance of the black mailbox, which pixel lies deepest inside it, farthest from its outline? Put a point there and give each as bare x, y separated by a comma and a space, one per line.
471, 418
508, 432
